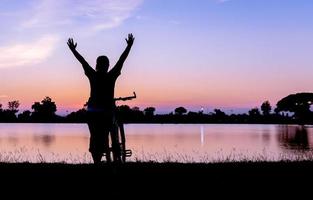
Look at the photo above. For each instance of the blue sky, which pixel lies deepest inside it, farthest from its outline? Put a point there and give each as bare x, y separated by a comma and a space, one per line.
231, 54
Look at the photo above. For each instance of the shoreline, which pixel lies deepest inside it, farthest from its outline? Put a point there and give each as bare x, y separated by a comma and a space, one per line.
253, 168
222, 123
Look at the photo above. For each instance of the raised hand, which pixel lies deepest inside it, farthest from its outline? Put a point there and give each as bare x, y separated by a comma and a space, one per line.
130, 39
71, 44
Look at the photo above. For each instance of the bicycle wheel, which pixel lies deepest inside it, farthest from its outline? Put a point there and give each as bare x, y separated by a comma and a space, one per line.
122, 142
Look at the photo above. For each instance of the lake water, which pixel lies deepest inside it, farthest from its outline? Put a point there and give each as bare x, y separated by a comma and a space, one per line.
159, 142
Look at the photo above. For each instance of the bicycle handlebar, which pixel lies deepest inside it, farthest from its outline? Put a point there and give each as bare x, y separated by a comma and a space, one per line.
126, 98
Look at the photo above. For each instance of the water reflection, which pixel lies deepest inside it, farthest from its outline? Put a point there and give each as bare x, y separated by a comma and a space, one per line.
202, 134
13, 140
266, 136
294, 137
46, 140
187, 142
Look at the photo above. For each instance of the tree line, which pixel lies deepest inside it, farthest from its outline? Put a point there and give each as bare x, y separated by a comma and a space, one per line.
288, 110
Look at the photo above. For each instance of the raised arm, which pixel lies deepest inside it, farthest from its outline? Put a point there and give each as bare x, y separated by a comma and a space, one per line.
72, 45
118, 66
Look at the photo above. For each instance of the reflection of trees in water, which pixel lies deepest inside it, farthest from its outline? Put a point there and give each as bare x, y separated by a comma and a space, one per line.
47, 140
266, 136
13, 140
294, 137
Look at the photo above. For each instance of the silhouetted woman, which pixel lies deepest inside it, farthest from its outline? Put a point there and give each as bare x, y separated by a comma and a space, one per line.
101, 104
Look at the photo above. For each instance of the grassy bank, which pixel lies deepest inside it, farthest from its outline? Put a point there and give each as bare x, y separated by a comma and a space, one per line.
147, 179
146, 170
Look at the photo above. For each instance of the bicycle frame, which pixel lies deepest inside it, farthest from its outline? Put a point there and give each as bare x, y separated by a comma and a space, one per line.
119, 136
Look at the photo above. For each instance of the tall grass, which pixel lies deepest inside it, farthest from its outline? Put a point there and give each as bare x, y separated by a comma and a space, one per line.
222, 157
35, 156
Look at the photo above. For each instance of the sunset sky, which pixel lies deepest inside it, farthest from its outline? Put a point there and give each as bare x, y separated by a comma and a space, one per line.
227, 54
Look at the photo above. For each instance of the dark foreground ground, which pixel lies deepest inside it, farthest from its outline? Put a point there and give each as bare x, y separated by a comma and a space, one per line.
155, 178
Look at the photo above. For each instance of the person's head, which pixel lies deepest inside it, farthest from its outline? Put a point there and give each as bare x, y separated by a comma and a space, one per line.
103, 64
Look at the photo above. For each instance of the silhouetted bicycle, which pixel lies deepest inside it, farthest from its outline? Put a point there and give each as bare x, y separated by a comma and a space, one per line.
122, 152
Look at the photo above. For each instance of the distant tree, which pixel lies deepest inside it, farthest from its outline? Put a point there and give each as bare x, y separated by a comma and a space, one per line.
180, 111
135, 108
219, 113
193, 114
299, 104
44, 110
149, 111
37, 107
276, 110
1, 113
266, 108
8, 115
123, 109
77, 116
254, 112
13, 106
25, 116
136, 113
127, 114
